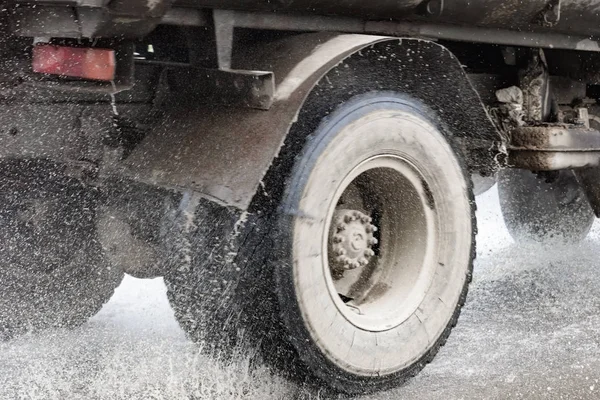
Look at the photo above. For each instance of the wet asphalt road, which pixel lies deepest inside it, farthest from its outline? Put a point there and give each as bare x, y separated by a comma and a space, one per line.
530, 329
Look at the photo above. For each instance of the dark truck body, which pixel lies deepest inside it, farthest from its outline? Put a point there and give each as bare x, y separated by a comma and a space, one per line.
137, 18
223, 43
576, 17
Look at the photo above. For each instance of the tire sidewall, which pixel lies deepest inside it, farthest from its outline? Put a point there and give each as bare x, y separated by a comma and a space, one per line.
451, 200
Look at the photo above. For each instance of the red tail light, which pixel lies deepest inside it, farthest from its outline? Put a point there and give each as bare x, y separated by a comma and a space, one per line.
87, 63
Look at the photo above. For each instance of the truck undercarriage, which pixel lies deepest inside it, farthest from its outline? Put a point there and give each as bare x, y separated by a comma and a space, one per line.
299, 172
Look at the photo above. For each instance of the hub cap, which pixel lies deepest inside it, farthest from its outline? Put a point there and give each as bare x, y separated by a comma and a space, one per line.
352, 240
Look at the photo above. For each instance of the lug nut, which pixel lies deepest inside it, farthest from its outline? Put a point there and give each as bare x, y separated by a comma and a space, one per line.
366, 219
338, 239
371, 228
341, 252
341, 227
341, 260
347, 218
373, 241
363, 261
369, 253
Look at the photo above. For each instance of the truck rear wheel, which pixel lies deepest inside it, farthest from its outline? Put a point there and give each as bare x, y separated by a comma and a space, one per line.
359, 271
52, 269
538, 208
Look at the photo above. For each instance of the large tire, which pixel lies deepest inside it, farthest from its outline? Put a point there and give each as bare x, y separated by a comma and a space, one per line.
52, 269
377, 160
544, 208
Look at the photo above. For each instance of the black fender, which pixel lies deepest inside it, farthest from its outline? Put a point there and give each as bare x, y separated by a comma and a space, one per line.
224, 153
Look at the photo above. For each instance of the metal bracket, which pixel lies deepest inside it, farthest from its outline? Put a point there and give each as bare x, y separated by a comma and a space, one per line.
550, 147
550, 15
534, 82
253, 89
432, 8
555, 137
224, 23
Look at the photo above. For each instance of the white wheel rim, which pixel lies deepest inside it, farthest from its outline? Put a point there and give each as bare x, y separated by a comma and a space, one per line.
390, 288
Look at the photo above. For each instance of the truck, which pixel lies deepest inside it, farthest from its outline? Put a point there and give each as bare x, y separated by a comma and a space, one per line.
301, 173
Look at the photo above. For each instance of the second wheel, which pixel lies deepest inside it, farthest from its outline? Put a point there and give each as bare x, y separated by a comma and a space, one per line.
544, 207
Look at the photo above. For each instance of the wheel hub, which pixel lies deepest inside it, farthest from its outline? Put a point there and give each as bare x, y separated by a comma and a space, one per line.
352, 241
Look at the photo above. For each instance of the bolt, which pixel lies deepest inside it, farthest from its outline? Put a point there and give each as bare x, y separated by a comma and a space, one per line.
341, 259
435, 7
371, 228
239, 83
366, 220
